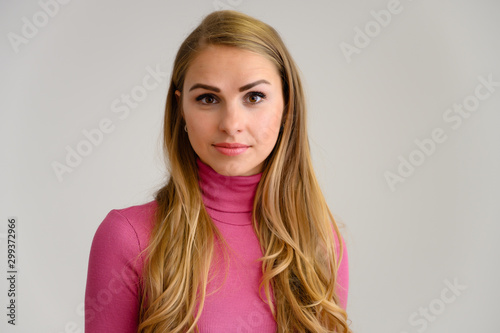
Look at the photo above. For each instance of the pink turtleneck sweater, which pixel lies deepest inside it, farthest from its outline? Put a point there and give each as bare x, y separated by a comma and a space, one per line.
232, 304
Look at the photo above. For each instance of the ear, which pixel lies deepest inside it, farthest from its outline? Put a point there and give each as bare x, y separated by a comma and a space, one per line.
178, 99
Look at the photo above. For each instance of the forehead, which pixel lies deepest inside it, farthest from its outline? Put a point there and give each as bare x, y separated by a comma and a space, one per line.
228, 63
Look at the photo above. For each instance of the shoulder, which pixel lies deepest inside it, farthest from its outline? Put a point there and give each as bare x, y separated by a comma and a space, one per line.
138, 218
126, 228
115, 265
337, 236
343, 269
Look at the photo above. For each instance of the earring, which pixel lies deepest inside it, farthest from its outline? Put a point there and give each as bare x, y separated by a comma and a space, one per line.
185, 128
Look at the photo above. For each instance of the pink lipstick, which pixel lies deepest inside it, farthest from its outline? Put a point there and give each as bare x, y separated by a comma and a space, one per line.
231, 149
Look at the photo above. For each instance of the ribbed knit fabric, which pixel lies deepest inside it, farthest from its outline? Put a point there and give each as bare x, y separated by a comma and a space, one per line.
236, 306
232, 303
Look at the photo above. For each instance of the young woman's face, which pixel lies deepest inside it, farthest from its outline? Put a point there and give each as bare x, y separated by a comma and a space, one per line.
233, 104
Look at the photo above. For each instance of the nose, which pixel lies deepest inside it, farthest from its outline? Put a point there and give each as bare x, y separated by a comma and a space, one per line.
232, 119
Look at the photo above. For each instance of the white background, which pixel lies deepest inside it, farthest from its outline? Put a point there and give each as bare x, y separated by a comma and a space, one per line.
440, 224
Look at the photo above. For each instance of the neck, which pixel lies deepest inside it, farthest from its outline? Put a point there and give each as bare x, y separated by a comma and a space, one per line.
227, 193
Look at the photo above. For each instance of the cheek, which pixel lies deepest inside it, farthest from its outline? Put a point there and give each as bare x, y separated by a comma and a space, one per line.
197, 129
198, 122
268, 128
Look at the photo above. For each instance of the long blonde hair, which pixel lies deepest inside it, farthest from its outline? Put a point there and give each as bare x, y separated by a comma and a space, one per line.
290, 216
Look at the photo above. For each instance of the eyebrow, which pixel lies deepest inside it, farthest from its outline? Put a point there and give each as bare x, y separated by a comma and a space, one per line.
253, 84
204, 86
212, 88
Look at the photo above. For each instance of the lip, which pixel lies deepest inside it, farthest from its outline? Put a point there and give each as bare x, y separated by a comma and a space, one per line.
231, 149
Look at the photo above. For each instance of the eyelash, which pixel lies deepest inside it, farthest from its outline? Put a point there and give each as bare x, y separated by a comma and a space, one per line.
259, 94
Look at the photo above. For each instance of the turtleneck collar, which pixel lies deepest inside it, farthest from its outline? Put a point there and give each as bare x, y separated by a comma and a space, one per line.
231, 194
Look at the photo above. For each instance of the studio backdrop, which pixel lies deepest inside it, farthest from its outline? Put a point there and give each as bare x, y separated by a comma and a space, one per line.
403, 116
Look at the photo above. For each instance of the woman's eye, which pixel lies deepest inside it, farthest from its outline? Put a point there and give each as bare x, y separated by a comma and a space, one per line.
206, 99
255, 97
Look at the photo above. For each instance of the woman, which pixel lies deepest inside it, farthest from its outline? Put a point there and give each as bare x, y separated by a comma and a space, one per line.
240, 239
